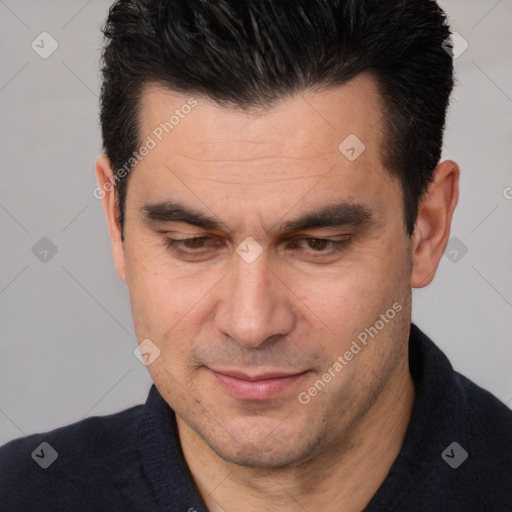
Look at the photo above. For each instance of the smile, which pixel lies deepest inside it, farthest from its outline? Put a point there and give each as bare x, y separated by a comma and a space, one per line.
265, 386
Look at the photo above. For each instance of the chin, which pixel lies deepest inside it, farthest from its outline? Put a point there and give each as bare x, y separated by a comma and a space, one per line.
252, 456
265, 448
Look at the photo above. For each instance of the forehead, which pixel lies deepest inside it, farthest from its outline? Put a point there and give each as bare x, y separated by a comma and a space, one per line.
302, 126
265, 162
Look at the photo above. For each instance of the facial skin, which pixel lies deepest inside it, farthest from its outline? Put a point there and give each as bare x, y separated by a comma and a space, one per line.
293, 310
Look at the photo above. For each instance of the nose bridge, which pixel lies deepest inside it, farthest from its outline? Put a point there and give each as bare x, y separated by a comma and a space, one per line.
252, 289
254, 307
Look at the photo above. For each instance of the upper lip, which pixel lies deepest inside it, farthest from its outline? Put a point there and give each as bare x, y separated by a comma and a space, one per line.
237, 374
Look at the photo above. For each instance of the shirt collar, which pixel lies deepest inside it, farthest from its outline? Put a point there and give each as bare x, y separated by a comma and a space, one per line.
162, 459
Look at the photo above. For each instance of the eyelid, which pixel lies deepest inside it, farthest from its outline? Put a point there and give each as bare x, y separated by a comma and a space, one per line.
330, 236
337, 244
181, 234
202, 253
170, 240
334, 239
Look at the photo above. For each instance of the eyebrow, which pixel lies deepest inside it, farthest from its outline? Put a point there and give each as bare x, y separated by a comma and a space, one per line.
343, 214
168, 211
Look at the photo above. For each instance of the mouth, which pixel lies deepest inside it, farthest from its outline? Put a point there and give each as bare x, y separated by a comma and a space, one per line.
259, 387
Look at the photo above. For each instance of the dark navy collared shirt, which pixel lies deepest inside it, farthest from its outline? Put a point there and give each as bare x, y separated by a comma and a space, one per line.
456, 455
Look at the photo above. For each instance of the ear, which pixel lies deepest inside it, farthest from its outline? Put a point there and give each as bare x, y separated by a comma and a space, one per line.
432, 228
108, 197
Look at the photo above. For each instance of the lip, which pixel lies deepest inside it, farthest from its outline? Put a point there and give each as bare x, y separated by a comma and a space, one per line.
259, 387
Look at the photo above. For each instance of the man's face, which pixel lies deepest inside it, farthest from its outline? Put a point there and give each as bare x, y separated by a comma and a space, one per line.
259, 306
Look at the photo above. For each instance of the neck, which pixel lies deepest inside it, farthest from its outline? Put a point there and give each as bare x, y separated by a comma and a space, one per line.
342, 478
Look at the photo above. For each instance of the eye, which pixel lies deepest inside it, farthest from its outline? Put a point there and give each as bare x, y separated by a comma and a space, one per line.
192, 243
191, 247
198, 248
318, 246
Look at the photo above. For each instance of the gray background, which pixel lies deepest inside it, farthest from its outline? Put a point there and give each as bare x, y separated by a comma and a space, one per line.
67, 338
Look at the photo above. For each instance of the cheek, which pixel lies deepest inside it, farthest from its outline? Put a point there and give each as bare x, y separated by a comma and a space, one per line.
350, 298
165, 310
344, 307
168, 308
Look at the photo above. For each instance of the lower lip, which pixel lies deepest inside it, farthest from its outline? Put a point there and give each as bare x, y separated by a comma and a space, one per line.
258, 389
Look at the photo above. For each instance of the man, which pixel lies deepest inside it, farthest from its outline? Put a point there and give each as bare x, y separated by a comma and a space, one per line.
273, 190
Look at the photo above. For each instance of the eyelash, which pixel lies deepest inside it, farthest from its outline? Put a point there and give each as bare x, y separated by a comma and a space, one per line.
173, 244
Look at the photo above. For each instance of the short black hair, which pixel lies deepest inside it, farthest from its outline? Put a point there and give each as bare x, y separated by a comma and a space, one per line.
251, 53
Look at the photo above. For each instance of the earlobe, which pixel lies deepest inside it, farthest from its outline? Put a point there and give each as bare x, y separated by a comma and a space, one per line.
432, 228
108, 197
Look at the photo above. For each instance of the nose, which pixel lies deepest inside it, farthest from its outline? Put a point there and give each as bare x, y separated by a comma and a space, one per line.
255, 306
